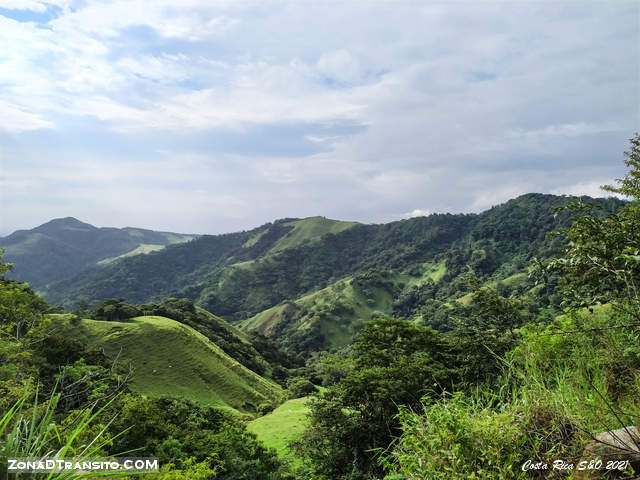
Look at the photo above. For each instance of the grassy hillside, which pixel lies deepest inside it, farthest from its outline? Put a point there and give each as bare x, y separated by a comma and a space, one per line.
282, 426
170, 358
309, 230
331, 317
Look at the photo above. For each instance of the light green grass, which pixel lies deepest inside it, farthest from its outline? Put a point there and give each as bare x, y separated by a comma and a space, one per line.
428, 271
340, 309
510, 281
309, 230
145, 248
255, 239
141, 249
282, 426
170, 358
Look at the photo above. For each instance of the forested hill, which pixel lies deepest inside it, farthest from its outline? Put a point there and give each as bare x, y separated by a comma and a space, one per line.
241, 274
64, 247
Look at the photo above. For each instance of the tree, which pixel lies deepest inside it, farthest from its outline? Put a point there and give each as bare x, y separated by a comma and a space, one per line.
4, 267
485, 330
601, 263
115, 309
395, 362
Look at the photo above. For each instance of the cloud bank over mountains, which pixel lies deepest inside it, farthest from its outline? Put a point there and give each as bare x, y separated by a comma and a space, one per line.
207, 117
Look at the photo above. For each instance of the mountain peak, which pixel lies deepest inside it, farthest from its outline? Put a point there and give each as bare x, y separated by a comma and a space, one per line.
64, 224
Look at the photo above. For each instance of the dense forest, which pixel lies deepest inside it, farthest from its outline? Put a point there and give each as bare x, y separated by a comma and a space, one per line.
501, 345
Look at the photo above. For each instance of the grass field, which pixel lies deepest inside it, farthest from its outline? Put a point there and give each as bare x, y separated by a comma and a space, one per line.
170, 358
282, 426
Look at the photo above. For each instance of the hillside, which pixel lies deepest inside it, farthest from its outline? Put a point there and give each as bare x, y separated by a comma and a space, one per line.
292, 279
197, 264
170, 358
329, 318
309, 230
64, 247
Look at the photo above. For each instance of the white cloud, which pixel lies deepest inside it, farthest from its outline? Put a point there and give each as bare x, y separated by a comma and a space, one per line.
417, 212
32, 5
340, 66
590, 188
354, 110
15, 120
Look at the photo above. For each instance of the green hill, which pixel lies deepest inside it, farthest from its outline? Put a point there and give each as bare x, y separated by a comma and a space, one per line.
330, 317
309, 230
297, 274
169, 358
64, 247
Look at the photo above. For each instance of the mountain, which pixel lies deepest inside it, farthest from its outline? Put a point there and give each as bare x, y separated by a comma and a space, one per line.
171, 358
64, 247
169, 272
312, 282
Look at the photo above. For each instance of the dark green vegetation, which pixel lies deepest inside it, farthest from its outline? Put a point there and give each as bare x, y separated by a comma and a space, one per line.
448, 346
64, 247
313, 293
86, 398
519, 371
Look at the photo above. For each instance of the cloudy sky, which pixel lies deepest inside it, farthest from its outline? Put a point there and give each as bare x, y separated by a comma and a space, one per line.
211, 116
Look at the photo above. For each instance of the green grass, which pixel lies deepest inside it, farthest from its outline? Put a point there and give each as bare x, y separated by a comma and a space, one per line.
145, 248
282, 426
170, 358
253, 240
510, 281
339, 308
428, 271
309, 230
305, 230
141, 249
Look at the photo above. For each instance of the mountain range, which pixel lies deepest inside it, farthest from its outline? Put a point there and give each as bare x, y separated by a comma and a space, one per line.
310, 283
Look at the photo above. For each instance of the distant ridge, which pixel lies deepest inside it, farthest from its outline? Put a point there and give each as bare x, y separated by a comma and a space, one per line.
63, 247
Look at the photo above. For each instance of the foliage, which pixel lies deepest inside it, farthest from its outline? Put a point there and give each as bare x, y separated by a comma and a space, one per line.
232, 278
485, 330
395, 363
36, 435
566, 379
192, 438
298, 387
115, 310
459, 437
65, 247
602, 261
87, 418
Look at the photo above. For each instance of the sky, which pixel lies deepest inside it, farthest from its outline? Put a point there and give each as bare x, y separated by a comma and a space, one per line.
205, 116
